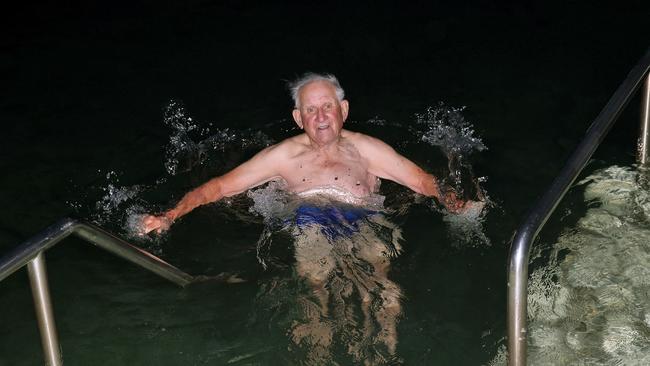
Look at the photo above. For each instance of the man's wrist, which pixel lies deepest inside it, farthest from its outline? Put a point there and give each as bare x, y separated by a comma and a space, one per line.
169, 216
438, 189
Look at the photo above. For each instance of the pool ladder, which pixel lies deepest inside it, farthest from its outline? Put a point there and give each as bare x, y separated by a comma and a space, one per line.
31, 253
537, 216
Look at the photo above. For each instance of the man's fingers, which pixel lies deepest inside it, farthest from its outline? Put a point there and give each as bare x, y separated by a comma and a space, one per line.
145, 229
151, 223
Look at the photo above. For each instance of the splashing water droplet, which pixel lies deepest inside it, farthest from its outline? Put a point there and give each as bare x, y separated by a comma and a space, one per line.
114, 198
190, 144
446, 128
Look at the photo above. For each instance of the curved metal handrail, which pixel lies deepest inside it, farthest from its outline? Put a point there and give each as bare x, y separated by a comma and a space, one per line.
49, 237
30, 253
522, 243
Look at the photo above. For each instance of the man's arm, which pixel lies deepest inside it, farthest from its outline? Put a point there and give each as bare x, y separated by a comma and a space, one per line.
385, 162
258, 170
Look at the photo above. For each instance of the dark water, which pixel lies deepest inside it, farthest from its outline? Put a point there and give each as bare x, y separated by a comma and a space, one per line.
83, 96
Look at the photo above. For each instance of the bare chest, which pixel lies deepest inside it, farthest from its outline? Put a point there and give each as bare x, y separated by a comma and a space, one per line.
346, 170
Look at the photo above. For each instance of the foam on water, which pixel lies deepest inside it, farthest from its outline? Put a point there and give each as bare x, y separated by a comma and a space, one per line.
276, 205
591, 305
466, 228
271, 201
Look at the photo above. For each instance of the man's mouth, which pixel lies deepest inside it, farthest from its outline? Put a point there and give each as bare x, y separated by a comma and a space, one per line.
323, 126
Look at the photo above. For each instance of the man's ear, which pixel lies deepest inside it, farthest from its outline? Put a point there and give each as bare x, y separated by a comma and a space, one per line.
345, 108
297, 117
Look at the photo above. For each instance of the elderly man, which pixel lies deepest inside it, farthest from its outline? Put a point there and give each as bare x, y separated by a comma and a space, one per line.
336, 249
325, 158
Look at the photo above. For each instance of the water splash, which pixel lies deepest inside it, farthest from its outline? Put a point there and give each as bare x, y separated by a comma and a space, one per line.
182, 146
119, 208
446, 128
376, 121
190, 144
271, 201
466, 228
114, 198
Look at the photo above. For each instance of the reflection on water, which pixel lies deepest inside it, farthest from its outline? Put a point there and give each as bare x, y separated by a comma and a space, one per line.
591, 304
342, 259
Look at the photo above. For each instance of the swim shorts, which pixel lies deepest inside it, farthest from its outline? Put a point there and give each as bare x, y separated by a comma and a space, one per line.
334, 221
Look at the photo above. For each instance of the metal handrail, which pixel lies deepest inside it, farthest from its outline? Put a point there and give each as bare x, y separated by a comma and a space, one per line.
31, 253
49, 237
522, 243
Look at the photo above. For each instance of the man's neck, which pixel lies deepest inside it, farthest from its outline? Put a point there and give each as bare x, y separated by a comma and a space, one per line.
326, 149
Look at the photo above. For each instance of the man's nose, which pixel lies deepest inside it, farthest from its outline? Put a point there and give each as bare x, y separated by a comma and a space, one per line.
320, 115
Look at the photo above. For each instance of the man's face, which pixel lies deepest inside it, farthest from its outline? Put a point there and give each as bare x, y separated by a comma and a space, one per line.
320, 114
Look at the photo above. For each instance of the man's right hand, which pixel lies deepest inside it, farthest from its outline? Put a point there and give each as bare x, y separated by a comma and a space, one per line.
154, 223
451, 202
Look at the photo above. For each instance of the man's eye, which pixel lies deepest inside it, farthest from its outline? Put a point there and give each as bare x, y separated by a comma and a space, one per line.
327, 107
310, 109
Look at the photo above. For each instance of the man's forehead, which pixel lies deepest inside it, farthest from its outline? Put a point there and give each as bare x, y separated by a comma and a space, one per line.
317, 90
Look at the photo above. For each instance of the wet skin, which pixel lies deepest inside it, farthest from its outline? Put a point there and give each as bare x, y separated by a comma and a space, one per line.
325, 155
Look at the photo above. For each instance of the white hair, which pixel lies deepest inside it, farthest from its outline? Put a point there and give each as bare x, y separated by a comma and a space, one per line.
296, 85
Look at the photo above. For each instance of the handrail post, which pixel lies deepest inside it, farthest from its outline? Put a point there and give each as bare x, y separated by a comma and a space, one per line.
41, 294
644, 138
518, 300
30, 253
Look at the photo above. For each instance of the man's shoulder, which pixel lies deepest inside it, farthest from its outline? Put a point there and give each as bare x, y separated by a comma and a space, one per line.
361, 140
290, 146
